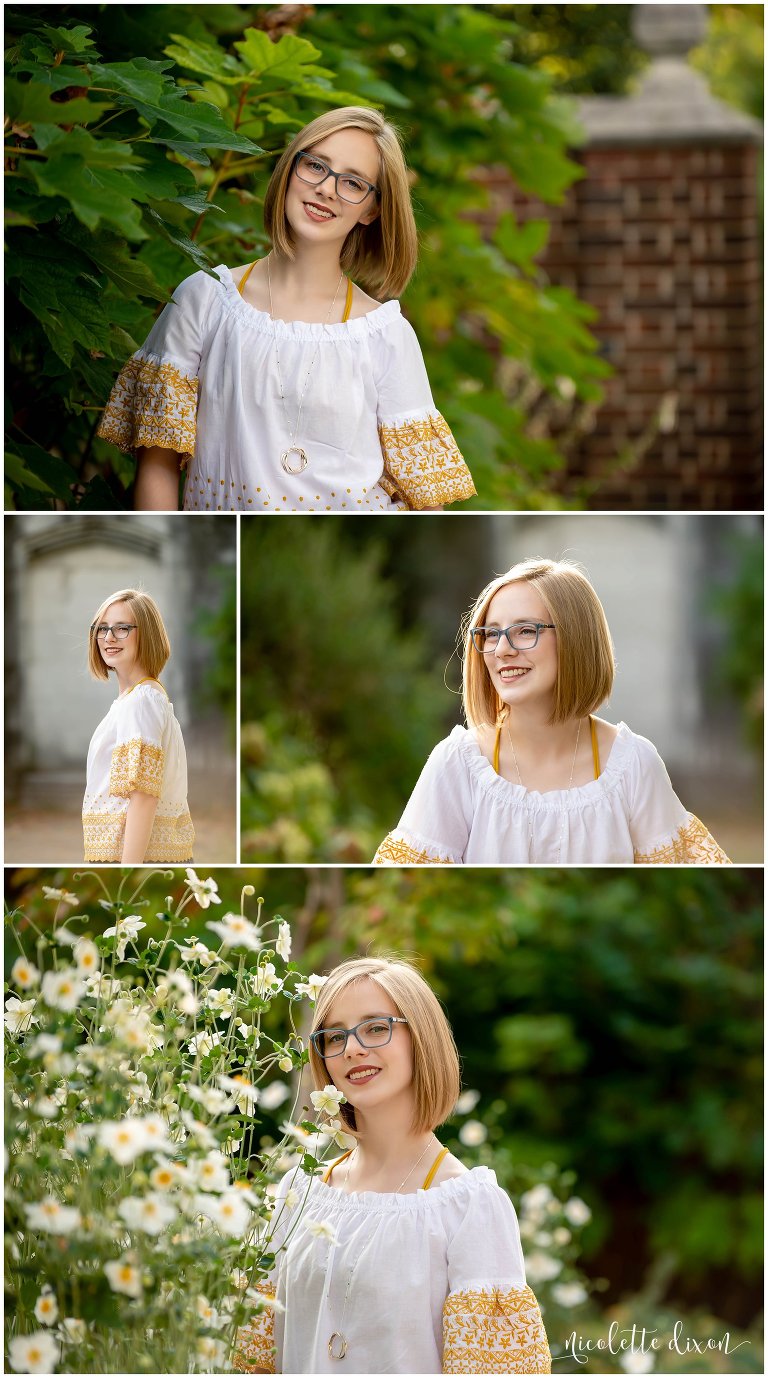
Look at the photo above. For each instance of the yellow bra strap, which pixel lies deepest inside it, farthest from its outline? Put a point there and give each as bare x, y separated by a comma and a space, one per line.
327, 1176
595, 747
431, 1174
246, 275
148, 679
497, 749
348, 302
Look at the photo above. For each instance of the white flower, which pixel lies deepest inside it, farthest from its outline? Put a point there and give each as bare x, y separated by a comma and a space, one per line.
541, 1267
239, 1279
124, 1139
283, 943
243, 1092
63, 896
286, 1065
123, 1275
198, 952
322, 1230
47, 1307
473, 1133
312, 987
204, 1042
35, 1353
230, 1213
206, 892
466, 1102
633, 1361
235, 931
44, 1044
78, 1140
65, 936
101, 987
295, 1131
211, 1354
51, 1217
212, 1172
198, 1130
222, 1002
577, 1212
341, 1138
208, 1314
534, 1203
86, 954
265, 980
19, 1016
569, 1294
151, 1213
62, 989
156, 1132
276, 1092
561, 1236
46, 1107
214, 1101
126, 930
292, 1198
327, 1101
73, 1330
24, 974
165, 1175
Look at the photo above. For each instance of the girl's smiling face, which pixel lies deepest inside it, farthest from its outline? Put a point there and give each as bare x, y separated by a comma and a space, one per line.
114, 652
521, 677
317, 214
369, 1077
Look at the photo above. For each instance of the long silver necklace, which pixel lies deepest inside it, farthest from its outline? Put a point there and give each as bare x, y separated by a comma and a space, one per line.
570, 783
338, 1343
293, 448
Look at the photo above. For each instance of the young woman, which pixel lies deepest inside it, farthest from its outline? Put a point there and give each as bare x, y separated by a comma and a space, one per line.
135, 806
282, 385
423, 1272
535, 777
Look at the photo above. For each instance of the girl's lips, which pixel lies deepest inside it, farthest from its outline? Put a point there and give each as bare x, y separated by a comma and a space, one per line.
318, 213
359, 1075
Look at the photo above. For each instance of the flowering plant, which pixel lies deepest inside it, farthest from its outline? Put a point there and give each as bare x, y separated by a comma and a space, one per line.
139, 1220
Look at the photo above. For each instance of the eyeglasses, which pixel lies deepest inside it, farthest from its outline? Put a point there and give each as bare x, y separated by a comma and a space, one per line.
119, 631
372, 1033
522, 636
314, 171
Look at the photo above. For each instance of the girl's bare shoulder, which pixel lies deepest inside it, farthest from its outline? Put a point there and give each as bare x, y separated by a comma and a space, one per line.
449, 1168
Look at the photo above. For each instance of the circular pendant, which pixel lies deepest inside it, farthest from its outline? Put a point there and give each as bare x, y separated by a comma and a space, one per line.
285, 460
337, 1345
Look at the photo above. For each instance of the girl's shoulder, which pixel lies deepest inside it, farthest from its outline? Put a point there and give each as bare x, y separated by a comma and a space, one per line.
450, 1168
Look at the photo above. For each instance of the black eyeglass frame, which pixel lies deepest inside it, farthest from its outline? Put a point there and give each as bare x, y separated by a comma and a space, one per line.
476, 632
304, 153
96, 627
390, 1019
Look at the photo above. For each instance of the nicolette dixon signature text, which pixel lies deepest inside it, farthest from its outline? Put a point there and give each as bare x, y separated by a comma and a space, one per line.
638, 1339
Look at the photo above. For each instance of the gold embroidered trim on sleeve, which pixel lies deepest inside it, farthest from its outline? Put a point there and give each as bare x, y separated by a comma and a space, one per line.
395, 852
255, 1343
136, 765
151, 404
422, 463
692, 843
494, 1330
171, 841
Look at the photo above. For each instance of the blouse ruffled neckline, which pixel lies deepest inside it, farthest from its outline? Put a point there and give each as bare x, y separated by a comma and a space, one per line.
413, 1201
377, 319
506, 791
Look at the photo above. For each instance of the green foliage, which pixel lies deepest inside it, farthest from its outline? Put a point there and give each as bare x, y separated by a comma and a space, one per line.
740, 668
731, 56
150, 166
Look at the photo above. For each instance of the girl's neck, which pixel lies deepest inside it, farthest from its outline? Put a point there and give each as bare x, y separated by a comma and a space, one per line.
531, 728
313, 272
126, 683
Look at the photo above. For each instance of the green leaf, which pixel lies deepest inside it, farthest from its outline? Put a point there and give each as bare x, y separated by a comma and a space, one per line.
94, 176
158, 98
207, 59
18, 475
521, 243
30, 103
62, 294
112, 254
181, 240
42, 471
284, 59
75, 40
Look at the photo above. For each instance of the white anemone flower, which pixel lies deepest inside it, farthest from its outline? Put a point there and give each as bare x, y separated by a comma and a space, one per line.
577, 1212
322, 1230
273, 1095
283, 943
47, 1307
45, 1044
208, 1314
24, 974
123, 1275
73, 1330
198, 952
286, 1065
635, 1361
327, 1101
265, 981
204, 1043
535, 1203
151, 1213
35, 1353
242, 1090
568, 1294
311, 987
235, 931
63, 989
86, 954
212, 1172
125, 1140
156, 1132
466, 1102
541, 1267
206, 892
165, 1175
126, 930
473, 1133
211, 1354
229, 1212
50, 1217
63, 896
214, 1101
198, 1131
221, 1001
19, 1015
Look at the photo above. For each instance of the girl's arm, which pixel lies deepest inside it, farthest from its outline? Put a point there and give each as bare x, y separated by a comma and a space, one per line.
138, 827
157, 480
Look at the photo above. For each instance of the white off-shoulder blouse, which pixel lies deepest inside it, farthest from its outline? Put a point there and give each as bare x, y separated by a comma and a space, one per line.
437, 1283
206, 384
463, 811
138, 746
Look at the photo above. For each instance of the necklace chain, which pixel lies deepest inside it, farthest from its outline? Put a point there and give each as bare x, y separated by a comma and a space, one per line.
570, 784
293, 448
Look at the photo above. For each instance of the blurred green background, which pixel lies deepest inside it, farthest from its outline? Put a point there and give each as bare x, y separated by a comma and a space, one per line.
610, 1021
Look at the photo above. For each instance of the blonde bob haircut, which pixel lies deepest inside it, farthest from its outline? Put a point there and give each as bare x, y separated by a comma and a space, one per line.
381, 256
436, 1080
152, 645
585, 657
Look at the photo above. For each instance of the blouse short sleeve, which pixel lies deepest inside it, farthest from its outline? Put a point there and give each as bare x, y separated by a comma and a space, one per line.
435, 826
422, 463
255, 1344
491, 1319
154, 400
138, 758
662, 830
